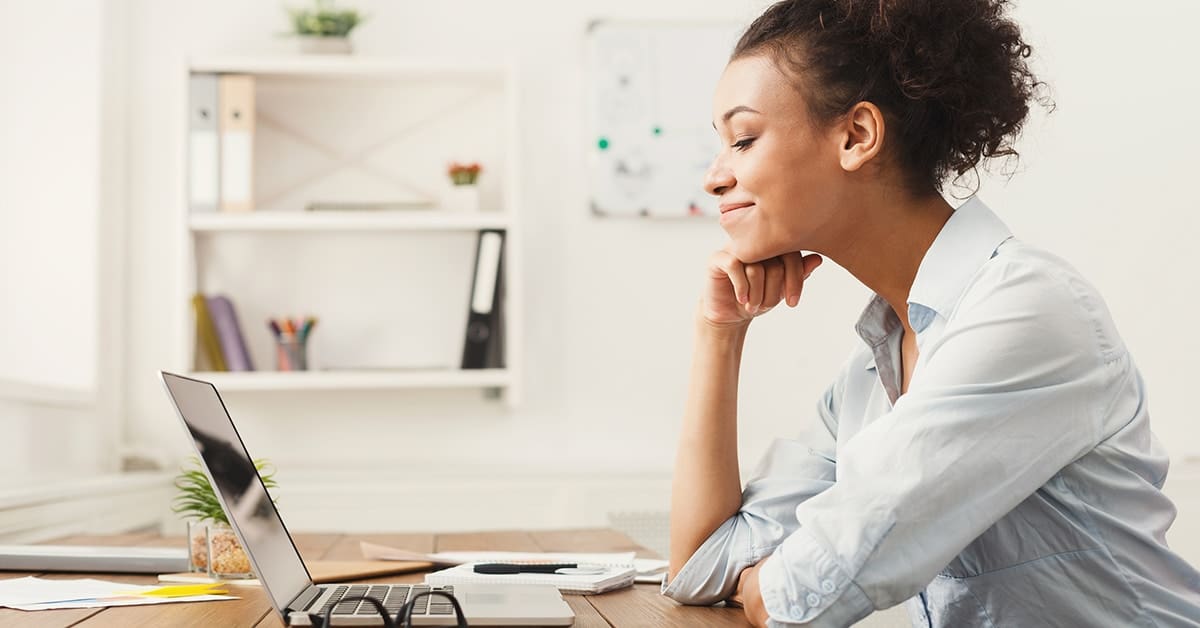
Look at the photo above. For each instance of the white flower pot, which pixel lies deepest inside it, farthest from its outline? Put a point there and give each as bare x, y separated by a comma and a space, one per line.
461, 198
316, 44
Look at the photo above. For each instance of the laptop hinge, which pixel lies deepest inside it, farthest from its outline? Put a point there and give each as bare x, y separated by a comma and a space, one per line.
303, 600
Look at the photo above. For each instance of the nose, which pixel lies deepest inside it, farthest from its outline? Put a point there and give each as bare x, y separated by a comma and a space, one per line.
719, 178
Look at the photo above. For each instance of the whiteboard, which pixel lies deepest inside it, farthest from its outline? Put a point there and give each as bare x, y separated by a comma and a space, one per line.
651, 91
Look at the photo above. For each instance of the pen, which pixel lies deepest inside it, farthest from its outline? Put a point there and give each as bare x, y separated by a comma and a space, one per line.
509, 568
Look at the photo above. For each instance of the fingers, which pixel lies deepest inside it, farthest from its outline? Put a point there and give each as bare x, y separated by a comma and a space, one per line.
760, 286
797, 268
755, 276
766, 283
793, 264
772, 283
735, 270
811, 262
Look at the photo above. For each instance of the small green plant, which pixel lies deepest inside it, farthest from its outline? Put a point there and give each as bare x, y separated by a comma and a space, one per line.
196, 499
324, 21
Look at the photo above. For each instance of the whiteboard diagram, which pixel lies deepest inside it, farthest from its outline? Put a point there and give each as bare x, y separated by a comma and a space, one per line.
651, 115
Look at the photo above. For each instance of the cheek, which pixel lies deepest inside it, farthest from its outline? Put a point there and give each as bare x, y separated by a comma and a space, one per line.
787, 167
796, 198
789, 187
805, 177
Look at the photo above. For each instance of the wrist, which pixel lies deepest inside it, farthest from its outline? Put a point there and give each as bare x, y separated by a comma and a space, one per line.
721, 331
723, 340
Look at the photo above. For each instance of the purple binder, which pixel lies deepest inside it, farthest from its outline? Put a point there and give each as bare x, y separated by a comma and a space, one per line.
237, 357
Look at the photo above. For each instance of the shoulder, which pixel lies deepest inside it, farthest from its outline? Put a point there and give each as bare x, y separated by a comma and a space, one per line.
1042, 295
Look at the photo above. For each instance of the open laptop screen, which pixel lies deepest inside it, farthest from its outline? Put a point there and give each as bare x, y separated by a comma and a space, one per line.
239, 488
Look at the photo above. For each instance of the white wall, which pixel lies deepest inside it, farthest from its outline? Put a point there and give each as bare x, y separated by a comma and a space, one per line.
609, 303
61, 176
49, 171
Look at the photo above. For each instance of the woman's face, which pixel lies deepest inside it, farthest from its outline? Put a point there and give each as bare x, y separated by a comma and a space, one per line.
774, 161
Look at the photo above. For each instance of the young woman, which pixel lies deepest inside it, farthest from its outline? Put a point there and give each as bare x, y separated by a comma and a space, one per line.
986, 453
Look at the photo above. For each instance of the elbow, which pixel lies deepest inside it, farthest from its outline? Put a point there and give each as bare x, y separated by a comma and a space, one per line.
707, 577
694, 584
692, 596
709, 574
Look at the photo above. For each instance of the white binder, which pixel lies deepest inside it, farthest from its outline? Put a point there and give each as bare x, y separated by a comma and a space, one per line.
203, 147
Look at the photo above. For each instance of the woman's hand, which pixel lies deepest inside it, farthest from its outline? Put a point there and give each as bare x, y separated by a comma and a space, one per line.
749, 597
735, 292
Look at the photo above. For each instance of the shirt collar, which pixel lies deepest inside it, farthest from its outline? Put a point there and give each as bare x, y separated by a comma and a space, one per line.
968, 239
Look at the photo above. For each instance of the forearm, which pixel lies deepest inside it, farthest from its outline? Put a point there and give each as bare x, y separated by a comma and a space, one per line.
707, 486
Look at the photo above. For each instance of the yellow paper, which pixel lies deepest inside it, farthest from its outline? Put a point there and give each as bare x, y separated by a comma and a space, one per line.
183, 590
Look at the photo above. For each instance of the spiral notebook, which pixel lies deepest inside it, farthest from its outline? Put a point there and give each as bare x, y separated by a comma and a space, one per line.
613, 577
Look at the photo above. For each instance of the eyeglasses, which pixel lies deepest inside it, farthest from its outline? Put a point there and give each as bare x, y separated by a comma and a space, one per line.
403, 617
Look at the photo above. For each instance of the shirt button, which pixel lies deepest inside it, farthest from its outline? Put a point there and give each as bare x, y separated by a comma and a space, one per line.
827, 586
813, 599
797, 611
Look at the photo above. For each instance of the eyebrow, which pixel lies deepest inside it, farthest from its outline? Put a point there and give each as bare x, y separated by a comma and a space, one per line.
732, 112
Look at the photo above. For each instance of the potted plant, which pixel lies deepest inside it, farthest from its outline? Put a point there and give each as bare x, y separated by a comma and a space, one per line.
323, 29
464, 194
213, 547
464, 174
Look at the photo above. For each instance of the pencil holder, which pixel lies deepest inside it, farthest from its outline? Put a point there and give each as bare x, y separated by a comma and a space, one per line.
291, 355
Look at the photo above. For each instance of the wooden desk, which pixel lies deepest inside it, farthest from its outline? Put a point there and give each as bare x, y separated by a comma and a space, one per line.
640, 605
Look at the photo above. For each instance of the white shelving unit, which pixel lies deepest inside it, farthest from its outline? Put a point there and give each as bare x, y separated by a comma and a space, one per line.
350, 220
360, 380
214, 244
354, 66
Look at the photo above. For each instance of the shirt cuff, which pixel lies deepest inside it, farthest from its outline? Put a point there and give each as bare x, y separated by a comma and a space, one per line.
801, 583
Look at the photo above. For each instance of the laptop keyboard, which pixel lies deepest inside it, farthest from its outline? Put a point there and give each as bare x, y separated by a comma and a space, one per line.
393, 596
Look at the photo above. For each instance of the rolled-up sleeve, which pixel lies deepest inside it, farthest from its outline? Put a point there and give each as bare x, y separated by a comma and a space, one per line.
790, 472
1014, 390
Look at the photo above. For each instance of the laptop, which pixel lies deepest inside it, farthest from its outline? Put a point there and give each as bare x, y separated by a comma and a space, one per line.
273, 554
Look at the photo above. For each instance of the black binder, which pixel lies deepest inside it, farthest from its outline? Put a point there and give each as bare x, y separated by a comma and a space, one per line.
484, 343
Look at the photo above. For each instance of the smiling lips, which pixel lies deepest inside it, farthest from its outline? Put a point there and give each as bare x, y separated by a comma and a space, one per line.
728, 207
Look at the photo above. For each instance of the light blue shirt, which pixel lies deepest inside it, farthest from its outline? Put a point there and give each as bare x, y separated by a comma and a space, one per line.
1015, 483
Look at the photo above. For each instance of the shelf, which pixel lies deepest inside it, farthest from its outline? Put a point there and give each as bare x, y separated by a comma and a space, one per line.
350, 66
331, 115
355, 380
361, 220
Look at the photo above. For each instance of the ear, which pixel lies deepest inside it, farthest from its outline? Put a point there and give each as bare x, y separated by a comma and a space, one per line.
861, 136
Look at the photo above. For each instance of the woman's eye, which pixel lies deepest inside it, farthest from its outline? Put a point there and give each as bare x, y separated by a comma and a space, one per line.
743, 144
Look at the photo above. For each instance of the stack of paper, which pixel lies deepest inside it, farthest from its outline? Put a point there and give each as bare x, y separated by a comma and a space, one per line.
35, 594
606, 578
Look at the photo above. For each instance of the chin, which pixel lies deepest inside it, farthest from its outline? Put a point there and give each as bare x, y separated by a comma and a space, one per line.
750, 252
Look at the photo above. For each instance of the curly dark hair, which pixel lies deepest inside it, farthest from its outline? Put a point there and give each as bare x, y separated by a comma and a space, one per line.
950, 76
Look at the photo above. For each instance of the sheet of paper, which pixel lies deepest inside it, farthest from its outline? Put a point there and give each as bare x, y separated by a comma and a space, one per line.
371, 551
33, 594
